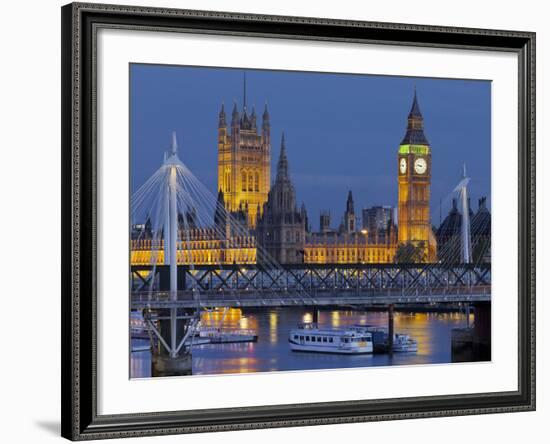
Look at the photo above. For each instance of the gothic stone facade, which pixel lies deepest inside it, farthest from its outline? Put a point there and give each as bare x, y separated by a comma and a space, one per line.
281, 227
244, 162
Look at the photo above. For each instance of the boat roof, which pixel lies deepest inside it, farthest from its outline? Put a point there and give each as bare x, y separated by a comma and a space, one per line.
328, 331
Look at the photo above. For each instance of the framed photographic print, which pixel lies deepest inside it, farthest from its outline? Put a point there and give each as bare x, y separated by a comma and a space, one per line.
276, 221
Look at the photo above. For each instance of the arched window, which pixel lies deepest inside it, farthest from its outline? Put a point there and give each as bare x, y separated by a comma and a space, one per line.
243, 179
256, 181
227, 181
250, 181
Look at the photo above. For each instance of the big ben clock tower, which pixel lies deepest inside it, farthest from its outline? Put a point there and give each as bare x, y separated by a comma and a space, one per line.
414, 178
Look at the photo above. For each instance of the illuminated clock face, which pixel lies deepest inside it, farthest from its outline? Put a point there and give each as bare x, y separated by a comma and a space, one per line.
420, 166
403, 165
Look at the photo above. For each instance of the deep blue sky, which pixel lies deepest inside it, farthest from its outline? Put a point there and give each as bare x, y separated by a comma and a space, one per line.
342, 131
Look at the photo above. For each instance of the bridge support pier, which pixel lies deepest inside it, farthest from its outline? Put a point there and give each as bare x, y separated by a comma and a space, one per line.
173, 357
390, 330
473, 344
168, 366
482, 331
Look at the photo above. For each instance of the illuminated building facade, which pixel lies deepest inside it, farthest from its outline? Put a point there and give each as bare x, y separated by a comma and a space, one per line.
349, 248
414, 165
347, 245
244, 161
201, 246
273, 219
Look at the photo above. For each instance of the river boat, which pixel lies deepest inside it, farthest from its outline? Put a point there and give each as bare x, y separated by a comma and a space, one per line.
309, 338
221, 335
402, 343
138, 326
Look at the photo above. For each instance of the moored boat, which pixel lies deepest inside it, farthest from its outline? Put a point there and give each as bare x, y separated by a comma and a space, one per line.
404, 343
309, 338
401, 342
219, 335
138, 326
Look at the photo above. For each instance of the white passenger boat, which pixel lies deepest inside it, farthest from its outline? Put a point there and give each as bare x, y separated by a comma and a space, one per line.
309, 338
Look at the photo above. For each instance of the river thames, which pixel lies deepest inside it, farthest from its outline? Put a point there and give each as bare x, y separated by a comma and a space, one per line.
272, 353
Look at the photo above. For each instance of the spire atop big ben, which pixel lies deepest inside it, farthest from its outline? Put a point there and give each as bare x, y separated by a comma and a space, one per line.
415, 126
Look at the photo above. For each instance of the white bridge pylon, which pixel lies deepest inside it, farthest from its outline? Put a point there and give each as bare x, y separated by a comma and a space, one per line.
172, 162
159, 198
466, 237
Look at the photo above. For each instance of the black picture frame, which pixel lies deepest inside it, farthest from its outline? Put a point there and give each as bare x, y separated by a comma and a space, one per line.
79, 172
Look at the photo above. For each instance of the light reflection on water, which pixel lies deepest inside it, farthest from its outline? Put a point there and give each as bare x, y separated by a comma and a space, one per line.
272, 353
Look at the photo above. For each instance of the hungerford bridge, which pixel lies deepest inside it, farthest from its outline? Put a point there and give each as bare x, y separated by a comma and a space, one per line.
171, 295
311, 285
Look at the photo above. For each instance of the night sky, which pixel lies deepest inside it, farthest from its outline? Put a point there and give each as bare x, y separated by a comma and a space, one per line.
342, 131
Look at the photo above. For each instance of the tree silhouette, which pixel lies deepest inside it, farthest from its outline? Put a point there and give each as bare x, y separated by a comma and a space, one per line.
410, 253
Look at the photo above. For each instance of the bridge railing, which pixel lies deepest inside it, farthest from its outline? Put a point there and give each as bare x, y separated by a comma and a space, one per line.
242, 295
313, 278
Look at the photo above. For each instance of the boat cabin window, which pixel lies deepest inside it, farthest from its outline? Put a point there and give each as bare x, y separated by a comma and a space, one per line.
330, 339
301, 338
295, 336
307, 338
324, 339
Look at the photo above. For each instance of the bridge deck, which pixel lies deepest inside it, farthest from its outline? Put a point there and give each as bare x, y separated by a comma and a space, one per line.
245, 298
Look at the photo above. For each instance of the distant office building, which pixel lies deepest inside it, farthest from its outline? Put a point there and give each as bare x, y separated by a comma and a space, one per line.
376, 219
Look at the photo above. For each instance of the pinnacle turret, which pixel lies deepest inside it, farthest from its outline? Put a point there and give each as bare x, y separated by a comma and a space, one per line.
349, 203
415, 126
415, 108
235, 115
222, 123
253, 118
265, 115
282, 164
